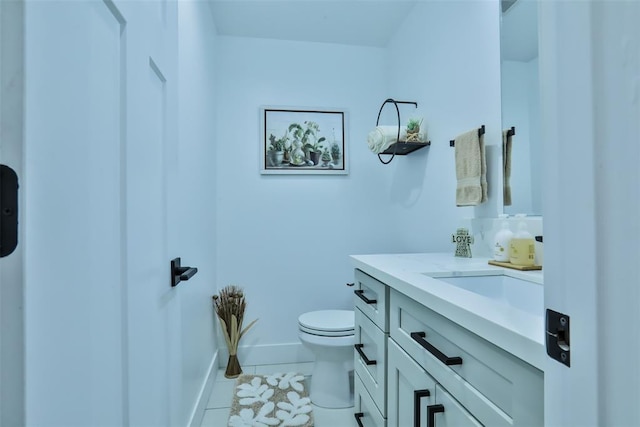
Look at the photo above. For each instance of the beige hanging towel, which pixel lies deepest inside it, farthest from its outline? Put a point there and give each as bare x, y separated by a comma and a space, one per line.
471, 169
506, 166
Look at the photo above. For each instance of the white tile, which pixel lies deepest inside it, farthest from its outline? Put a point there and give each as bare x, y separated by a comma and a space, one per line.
302, 368
215, 417
221, 394
333, 417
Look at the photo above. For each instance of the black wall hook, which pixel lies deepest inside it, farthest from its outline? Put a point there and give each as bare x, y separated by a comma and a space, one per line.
179, 273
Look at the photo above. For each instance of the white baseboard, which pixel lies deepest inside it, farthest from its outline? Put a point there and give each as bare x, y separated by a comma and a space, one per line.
269, 354
201, 404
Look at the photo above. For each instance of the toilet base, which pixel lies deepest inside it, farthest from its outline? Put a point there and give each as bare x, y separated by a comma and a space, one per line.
329, 334
332, 384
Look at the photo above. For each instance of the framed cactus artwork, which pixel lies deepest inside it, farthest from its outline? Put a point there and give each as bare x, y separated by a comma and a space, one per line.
303, 141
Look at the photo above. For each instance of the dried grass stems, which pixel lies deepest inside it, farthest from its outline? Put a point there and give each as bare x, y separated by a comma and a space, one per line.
230, 306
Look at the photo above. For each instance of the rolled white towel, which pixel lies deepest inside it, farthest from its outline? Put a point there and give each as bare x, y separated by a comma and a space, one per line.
381, 137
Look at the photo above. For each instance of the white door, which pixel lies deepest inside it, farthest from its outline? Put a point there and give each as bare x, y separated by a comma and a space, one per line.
590, 81
102, 320
11, 314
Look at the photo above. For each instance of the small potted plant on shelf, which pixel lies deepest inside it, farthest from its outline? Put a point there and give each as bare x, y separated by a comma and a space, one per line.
315, 150
326, 157
276, 149
413, 129
230, 306
335, 153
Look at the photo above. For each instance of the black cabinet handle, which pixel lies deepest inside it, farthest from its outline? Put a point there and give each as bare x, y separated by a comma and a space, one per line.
364, 356
419, 338
432, 410
357, 416
360, 294
417, 395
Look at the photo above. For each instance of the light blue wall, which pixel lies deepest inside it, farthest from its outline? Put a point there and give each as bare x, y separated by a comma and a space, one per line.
446, 56
286, 239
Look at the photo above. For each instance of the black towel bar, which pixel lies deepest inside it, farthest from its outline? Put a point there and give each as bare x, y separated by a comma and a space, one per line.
511, 131
452, 142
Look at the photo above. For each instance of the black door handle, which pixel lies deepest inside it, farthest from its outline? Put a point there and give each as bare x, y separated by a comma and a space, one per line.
417, 396
360, 294
419, 338
179, 273
432, 410
8, 210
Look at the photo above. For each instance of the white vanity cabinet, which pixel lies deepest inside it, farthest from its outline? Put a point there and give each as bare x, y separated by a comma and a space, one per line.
431, 372
370, 353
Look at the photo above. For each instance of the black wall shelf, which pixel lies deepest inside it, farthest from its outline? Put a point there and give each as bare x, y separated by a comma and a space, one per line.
402, 148
399, 148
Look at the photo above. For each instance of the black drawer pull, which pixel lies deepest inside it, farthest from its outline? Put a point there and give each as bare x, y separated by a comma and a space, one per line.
417, 395
360, 294
364, 356
432, 410
419, 338
357, 416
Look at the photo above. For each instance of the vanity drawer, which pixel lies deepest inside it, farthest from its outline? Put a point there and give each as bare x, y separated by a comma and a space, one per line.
371, 297
497, 387
371, 359
365, 411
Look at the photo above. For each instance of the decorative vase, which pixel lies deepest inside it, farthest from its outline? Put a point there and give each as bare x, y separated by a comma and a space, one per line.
298, 157
233, 367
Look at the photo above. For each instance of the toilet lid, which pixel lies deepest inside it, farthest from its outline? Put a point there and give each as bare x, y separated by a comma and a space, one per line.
327, 322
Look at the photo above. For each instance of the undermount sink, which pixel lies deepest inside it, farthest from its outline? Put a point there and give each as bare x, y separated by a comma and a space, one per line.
517, 293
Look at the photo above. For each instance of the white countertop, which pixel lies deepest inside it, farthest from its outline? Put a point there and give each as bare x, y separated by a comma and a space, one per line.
515, 331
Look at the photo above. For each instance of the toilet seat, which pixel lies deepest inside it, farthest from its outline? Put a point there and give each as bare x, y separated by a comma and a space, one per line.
328, 323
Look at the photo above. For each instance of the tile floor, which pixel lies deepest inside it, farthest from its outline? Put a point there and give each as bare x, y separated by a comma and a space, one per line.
217, 412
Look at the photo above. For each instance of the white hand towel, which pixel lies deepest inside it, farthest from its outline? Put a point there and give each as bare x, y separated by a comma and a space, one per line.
471, 169
381, 137
506, 166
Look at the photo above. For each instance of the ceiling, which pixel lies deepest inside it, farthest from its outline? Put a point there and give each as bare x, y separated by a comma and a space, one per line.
356, 22
352, 22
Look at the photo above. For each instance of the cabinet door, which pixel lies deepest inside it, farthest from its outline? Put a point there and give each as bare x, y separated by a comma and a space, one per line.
447, 412
411, 390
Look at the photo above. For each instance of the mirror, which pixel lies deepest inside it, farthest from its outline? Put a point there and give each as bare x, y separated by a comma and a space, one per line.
521, 102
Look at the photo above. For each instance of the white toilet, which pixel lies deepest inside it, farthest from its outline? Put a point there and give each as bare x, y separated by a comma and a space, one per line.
329, 334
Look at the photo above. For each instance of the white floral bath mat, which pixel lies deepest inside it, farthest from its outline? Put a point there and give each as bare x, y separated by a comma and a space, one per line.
271, 400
